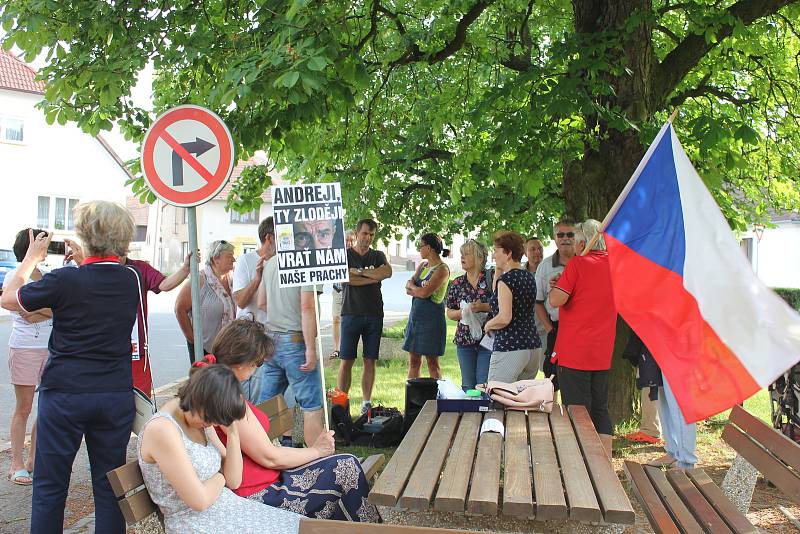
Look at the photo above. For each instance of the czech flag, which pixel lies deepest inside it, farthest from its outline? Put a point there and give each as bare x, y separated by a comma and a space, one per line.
681, 281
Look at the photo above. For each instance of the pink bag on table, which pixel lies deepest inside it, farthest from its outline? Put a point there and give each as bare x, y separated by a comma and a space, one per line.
534, 395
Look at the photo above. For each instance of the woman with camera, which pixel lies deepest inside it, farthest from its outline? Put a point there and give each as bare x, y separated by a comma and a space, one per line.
85, 390
27, 354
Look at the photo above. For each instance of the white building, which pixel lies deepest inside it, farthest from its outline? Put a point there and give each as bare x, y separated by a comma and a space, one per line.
213, 223
775, 252
48, 169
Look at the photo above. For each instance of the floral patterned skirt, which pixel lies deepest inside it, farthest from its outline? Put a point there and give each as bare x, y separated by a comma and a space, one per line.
333, 487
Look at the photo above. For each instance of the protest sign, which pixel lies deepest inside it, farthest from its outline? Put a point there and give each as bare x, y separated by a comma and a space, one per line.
309, 231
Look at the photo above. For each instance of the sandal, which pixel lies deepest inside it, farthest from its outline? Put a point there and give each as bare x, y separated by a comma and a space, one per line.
19, 475
663, 461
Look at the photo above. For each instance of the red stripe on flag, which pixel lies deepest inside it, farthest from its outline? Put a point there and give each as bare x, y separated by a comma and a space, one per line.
705, 375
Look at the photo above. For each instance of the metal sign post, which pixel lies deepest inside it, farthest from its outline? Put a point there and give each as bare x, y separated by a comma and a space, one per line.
187, 158
197, 325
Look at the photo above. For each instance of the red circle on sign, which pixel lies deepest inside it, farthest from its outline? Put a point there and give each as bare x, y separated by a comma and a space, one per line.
215, 179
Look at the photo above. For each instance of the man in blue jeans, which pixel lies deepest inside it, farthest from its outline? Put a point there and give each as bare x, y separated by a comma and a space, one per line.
362, 310
292, 325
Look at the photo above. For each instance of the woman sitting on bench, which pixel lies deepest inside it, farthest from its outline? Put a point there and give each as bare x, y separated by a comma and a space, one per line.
180, 459
311, 481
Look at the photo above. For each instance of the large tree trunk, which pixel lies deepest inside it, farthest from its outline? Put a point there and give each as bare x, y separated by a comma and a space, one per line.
592, 184
590, 193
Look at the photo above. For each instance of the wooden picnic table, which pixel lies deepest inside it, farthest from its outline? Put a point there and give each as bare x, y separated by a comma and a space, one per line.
552, 466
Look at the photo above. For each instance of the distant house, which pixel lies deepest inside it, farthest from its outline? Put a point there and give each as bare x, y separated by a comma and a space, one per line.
775, 252
213, 223
48, 169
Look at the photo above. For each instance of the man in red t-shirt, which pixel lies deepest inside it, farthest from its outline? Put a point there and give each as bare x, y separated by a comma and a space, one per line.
586, 330
152, 280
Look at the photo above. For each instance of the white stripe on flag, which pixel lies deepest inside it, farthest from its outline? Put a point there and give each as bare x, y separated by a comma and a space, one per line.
754, 322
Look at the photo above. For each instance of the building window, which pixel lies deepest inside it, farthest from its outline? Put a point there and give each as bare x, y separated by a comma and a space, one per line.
60, 221
12, 129
185, 216
63, 216
250, 217
397, 250
43, 213
71, 213
184, 249
141, 233
747, 248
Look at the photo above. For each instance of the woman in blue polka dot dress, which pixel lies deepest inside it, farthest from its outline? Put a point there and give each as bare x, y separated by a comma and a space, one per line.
512, 324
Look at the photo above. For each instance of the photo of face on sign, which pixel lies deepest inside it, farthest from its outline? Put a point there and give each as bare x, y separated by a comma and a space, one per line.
312, 235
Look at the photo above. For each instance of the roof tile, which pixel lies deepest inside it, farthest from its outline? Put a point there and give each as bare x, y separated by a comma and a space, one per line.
17, 76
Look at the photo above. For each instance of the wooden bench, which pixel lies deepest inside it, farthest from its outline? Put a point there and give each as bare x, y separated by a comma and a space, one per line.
550, 466
687, 500
135, 502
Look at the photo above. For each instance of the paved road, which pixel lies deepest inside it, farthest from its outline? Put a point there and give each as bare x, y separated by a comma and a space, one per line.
168, 346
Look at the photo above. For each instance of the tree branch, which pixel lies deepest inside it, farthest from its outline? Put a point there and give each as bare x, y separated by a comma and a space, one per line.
373, 25
413, 54
685, 56
669, 33
397, 22
703, 90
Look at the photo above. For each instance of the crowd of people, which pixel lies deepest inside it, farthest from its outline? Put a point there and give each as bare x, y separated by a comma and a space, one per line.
80, 334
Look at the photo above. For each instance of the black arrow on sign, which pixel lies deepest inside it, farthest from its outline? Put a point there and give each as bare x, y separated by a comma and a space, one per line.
198, 147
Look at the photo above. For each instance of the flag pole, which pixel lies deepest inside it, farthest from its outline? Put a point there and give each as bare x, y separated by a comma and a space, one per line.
635, 176
631, 182
321, 361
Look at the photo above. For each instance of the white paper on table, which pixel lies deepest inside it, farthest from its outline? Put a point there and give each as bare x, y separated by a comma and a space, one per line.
493, 425
487, 342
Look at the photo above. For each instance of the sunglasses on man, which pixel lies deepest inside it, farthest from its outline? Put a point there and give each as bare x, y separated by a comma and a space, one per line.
565, 234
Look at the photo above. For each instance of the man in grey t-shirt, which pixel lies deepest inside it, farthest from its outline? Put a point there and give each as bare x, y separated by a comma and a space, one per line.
550, 269
291, 323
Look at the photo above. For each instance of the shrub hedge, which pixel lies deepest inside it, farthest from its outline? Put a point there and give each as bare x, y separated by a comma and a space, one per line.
790, 295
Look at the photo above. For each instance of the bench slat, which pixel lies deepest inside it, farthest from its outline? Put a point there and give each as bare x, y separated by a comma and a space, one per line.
485, 488
126, 478
452, 492
371, 465
517, 484
549, 492
613, 500
393, 479
137, 506
772, 469
697, 504
329, 526
737, 522
583, 505
657, 514
781, 446
682, 516
281, 418
419, 490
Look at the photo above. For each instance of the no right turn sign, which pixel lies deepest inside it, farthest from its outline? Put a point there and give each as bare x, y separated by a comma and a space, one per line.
187, 156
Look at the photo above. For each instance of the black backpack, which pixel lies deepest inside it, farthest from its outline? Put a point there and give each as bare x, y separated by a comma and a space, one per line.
390, 433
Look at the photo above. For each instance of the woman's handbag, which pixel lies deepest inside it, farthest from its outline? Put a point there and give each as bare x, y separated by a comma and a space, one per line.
145, 408
144, 404
534, 395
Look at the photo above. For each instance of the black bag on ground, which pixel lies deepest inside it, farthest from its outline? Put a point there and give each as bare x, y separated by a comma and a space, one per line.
384, 429
342, 425
418, 392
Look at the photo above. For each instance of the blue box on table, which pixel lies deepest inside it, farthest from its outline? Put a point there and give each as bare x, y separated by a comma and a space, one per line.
471, 404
